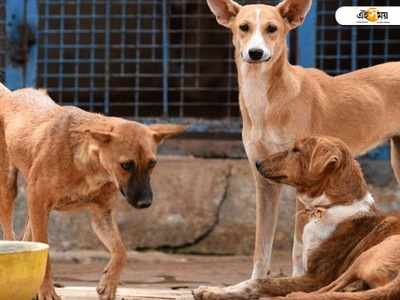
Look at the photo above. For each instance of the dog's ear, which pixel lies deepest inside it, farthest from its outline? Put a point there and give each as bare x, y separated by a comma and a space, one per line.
324, 157
163, 131
102, 136
294, 11
224, 10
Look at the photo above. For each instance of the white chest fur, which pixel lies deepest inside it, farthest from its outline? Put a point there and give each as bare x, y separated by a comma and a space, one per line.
254, 91
318, 230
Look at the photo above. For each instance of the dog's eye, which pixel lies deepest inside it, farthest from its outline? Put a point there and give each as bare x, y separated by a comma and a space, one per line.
271, 28
152, 163
128, 166
244, 27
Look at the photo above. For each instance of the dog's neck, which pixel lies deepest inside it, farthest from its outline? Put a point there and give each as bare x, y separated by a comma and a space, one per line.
265, 87
345, 185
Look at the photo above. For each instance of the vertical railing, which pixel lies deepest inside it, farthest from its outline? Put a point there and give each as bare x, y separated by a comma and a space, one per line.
165, 38
107, 59
307, 39
354, 43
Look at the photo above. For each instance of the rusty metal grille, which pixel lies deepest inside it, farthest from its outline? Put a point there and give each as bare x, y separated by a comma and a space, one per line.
2, 39
341, 49
137, 58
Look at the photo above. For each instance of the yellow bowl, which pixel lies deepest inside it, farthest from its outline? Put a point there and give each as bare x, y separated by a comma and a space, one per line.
22, 269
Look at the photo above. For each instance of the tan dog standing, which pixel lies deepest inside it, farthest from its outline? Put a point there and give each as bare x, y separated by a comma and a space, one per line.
280, 103
72, 159
345, 238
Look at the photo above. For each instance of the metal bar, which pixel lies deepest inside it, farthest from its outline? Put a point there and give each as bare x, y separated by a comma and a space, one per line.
338, 47
182, 63
307, 37
165, 37
61, 65
92, 52
46, 40
137, 58
78, 25
354, 43
107, 61
2, 40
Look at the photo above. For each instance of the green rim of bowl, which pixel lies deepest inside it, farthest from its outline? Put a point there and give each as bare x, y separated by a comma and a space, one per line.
10, 247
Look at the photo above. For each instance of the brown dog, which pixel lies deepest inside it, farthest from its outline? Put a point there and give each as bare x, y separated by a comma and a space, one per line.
72, 159
281, 103
344, 237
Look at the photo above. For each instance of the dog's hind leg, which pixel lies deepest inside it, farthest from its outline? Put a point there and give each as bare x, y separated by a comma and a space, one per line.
395, 156
390, 291
8, 188
343, 281
27, 231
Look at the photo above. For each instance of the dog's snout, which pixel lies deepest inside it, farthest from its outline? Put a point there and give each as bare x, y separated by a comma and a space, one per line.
258, 164
256, 54
139, 193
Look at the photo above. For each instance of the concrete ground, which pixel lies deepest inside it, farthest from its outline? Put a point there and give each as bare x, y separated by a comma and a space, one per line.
160, 270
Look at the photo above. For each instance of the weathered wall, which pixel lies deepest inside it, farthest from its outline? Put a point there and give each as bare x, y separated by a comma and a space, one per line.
201, 206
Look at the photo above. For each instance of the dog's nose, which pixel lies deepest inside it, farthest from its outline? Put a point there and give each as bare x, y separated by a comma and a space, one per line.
256, 54
143, 204
144, 199
258, 164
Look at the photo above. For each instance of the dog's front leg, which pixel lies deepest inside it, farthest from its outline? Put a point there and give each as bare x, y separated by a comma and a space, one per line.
107, 231
267, 197
254, 289
297, 253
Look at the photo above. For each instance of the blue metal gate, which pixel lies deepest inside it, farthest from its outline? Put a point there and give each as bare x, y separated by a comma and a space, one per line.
339, 49
134, 58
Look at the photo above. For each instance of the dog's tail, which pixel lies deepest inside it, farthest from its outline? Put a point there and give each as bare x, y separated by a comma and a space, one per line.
3, 90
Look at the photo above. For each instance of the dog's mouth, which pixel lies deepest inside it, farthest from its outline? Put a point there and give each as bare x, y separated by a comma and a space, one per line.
274, 178
277, 178
257, 62
254, 61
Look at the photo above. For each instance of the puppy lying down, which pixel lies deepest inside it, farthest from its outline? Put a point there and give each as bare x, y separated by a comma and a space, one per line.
344, 238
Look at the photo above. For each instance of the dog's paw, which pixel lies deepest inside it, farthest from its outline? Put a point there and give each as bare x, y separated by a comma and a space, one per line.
48, 294
209, 293
106, 289
228, 293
